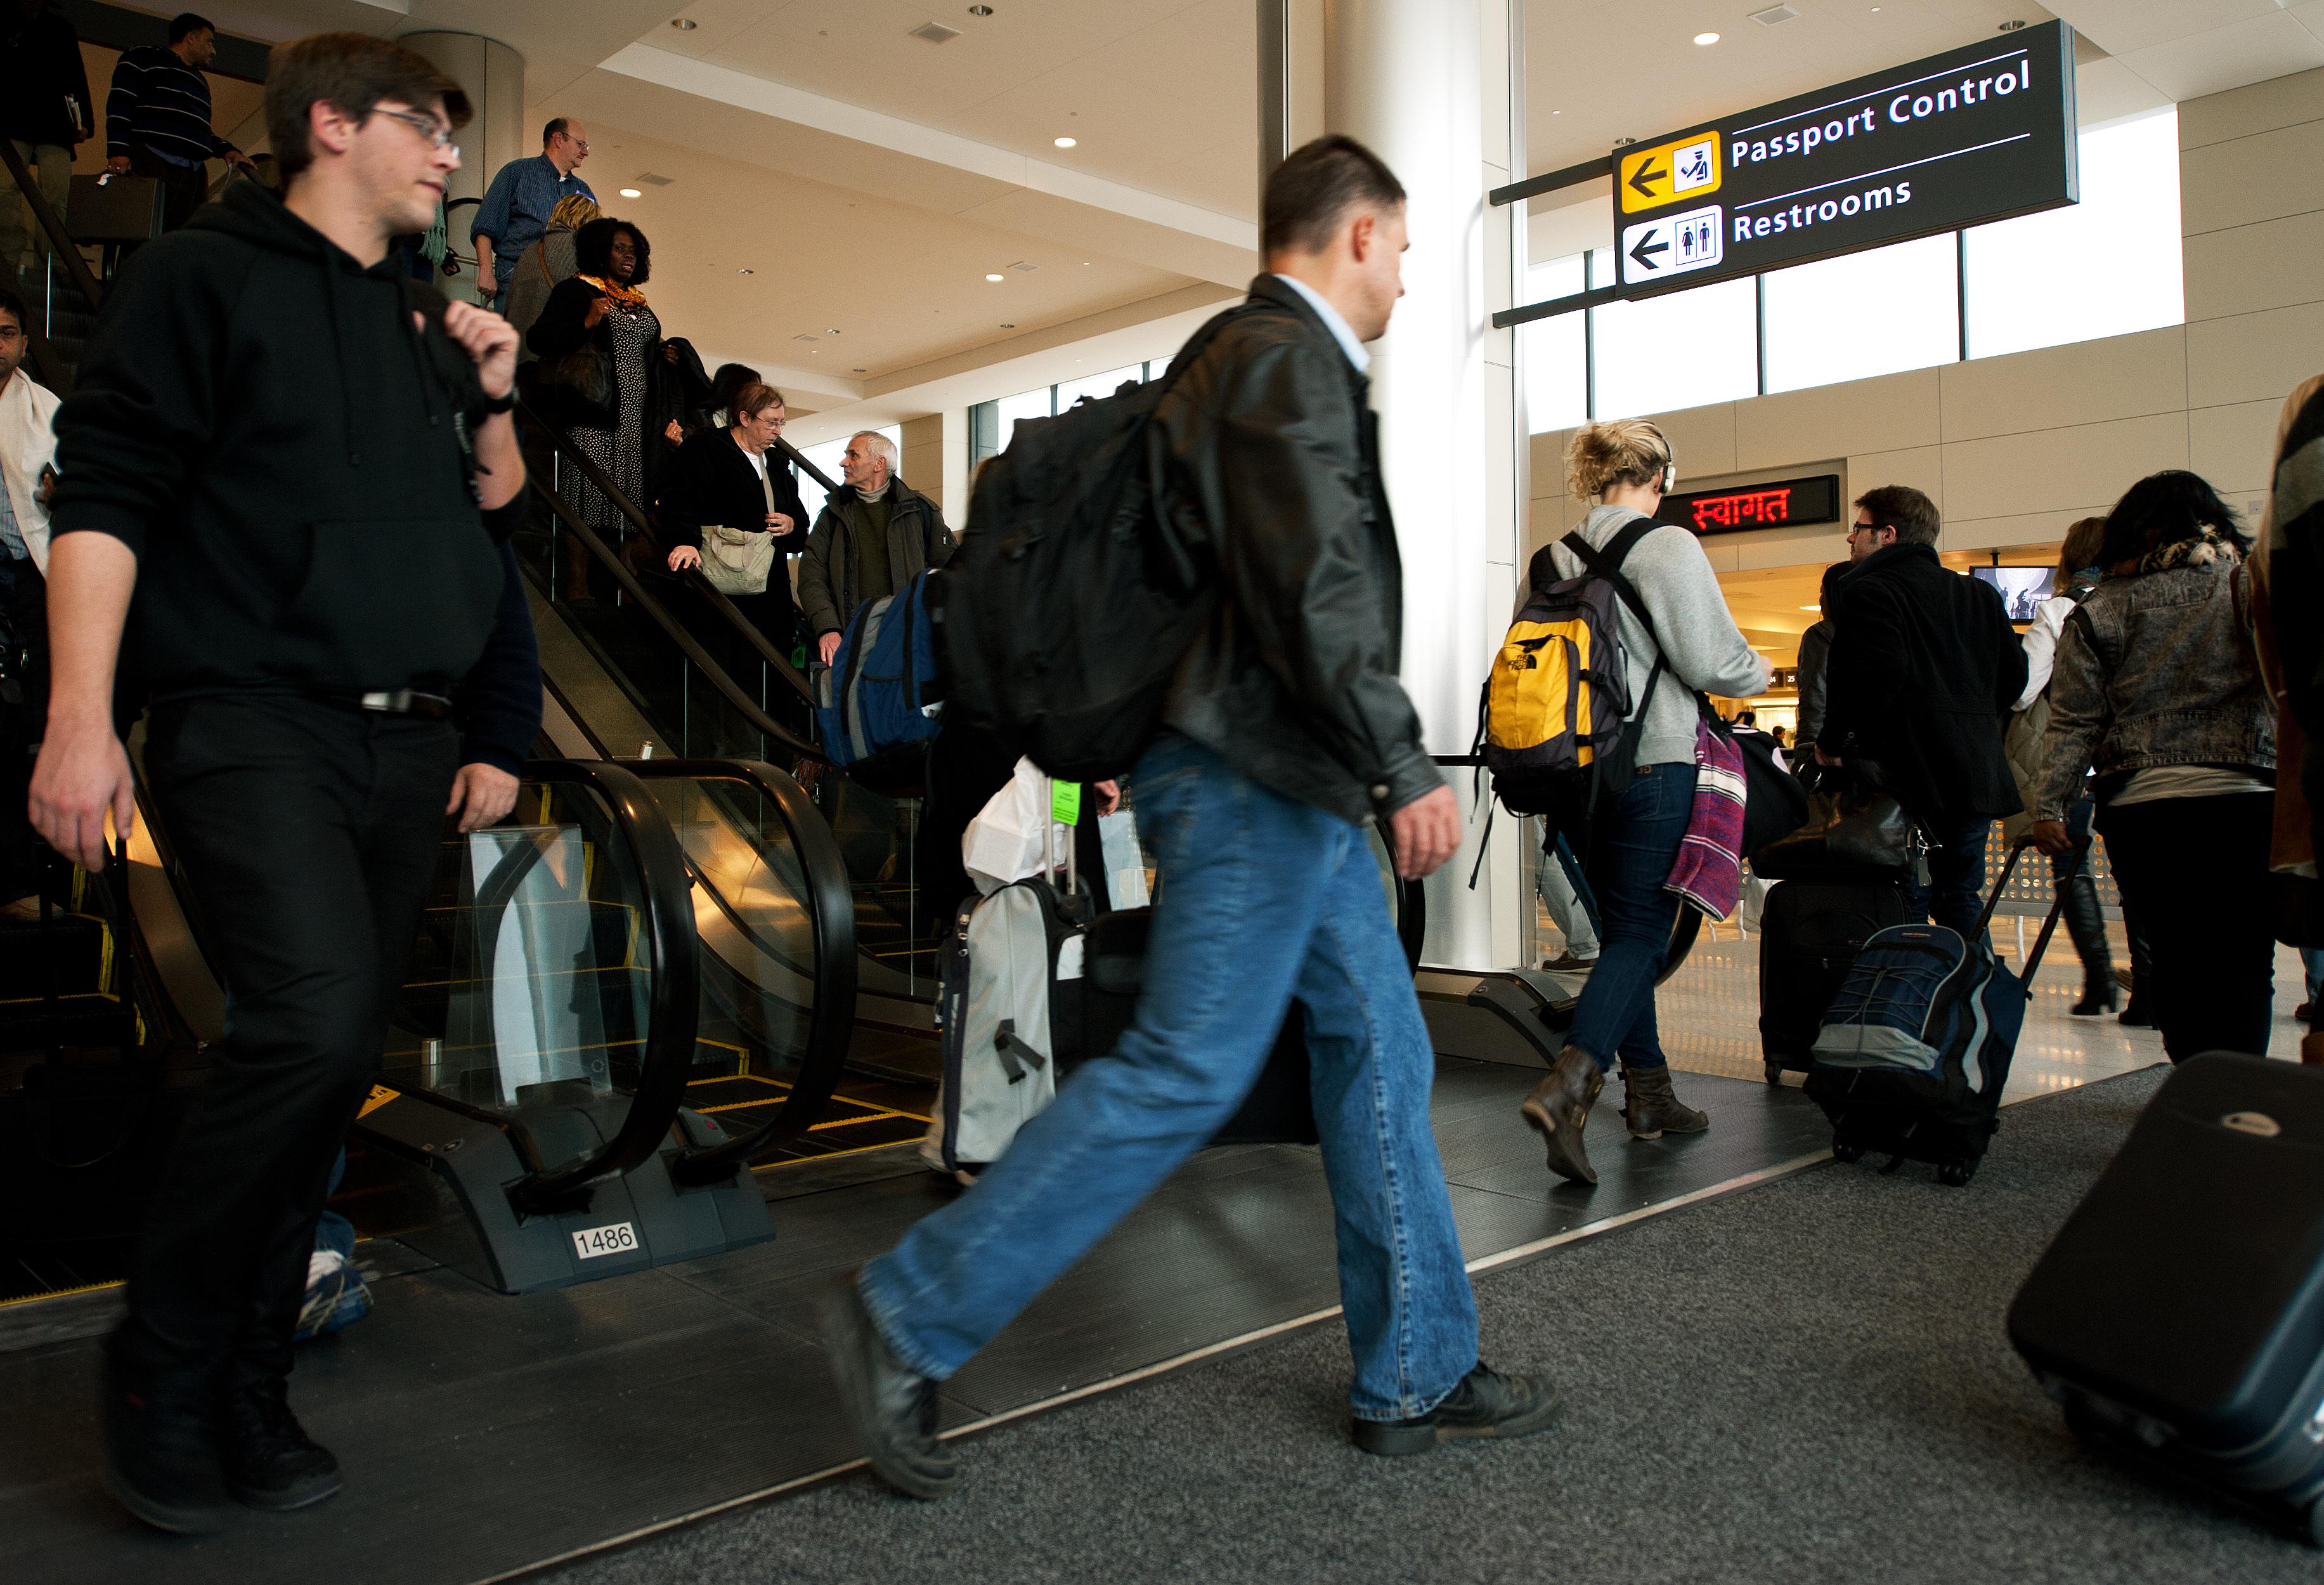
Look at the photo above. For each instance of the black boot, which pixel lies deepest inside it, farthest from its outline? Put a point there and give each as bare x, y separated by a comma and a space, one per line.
1559, 1109
271, 1462
1486, 1404
160, 1446
892, 1407
2087, 925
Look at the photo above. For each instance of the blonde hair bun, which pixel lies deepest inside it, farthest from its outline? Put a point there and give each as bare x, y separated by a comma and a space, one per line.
1619, 451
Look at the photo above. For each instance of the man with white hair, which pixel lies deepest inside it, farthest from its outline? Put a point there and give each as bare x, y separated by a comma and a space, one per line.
874, 535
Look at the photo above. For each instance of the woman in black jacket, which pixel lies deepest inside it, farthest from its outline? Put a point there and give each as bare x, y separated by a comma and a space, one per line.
603, 304
734, 479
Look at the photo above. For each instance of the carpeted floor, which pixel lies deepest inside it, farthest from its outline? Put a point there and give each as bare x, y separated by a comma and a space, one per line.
1802, 1382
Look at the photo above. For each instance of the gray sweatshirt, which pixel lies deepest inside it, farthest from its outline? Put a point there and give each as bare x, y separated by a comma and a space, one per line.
1706, 650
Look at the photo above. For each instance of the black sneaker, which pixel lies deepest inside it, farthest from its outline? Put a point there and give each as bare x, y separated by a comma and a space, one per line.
161, 1451
892, 1407
1486, 1404
271, 1462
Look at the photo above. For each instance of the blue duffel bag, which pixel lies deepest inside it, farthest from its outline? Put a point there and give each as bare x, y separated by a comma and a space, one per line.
1914, 1050
875, 696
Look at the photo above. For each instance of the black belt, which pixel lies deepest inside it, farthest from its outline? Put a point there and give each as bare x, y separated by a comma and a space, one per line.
401, 702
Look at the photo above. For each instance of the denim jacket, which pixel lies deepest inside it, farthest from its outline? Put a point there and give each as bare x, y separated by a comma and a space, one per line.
2155, 669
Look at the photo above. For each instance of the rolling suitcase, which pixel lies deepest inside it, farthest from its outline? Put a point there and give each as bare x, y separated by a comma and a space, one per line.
1280, 1108
1810, 931
2179, 1314
1916, 1049
1009, 1012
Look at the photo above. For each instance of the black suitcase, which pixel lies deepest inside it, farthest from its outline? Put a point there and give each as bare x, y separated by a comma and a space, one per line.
1809, 933
1280, 1108
2179, 1314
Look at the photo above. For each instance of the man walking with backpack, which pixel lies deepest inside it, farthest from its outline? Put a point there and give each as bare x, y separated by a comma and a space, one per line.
1284, 734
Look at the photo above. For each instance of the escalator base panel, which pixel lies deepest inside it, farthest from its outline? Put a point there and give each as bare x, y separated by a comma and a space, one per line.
642, 1220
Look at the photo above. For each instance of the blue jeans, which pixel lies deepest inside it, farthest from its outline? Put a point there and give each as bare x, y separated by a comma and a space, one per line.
1634, 840
1955, 895
1262, 900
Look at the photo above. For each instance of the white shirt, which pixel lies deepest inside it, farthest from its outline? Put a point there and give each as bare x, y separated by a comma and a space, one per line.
758, 461
1332, 320
27, 445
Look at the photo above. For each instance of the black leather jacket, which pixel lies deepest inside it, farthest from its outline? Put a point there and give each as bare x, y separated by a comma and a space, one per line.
1274, 464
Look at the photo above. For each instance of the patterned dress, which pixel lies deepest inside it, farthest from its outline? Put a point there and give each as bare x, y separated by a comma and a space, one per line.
621, 452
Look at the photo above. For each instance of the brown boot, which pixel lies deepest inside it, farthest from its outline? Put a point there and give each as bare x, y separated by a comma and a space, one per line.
1559, 1109
1652, 1108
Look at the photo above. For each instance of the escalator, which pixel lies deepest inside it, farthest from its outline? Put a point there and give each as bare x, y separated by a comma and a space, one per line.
633, 667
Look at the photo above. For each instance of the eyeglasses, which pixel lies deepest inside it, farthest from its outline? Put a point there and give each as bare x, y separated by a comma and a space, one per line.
436, 132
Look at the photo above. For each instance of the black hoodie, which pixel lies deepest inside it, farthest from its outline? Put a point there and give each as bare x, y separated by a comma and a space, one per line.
257, 418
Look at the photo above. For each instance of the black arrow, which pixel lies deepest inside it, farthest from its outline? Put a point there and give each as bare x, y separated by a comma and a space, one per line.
1641, 179
1647, 244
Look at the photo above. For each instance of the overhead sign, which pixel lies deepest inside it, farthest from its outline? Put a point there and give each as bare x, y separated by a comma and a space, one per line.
1960, 139
1783, 503
1668, 172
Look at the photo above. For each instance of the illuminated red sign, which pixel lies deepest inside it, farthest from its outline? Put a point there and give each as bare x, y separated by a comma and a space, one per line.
1781, 503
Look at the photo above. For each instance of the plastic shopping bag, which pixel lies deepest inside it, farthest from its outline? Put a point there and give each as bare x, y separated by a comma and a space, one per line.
1003, 844
1125, 861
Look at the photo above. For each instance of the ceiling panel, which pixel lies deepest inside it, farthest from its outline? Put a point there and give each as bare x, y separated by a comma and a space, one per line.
903, 285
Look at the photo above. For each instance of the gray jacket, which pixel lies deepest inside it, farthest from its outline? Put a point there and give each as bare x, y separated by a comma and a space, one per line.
1705, 648
1815, 658
917, 540
2155, 669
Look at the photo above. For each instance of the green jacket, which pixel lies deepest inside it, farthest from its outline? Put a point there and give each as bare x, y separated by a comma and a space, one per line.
917, 540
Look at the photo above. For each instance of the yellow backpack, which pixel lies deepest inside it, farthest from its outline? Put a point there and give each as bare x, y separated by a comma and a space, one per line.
1555, 705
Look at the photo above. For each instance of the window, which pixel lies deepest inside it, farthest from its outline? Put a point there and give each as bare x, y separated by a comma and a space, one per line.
1863, 314
1104, 385
1682, 350
1556, 350
2106, 266
1038, 404
826, 458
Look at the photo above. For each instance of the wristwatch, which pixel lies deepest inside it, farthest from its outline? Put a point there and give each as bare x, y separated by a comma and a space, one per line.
498, 404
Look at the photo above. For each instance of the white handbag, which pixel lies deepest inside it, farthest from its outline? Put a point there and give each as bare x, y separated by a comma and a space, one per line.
738, 560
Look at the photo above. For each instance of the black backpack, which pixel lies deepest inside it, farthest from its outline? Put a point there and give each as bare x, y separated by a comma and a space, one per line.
1062, 616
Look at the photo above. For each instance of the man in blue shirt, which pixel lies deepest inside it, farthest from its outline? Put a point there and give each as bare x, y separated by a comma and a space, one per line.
516, 207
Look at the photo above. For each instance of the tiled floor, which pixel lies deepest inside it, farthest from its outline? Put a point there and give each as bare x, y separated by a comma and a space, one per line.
1709, 1013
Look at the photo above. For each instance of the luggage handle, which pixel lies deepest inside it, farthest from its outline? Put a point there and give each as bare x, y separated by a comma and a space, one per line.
2049, 925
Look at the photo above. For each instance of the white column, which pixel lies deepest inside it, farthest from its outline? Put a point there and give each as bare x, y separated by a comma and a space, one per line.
1410, 78
492, 77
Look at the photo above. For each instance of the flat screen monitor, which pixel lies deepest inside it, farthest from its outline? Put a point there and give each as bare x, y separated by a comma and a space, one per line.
2022, 588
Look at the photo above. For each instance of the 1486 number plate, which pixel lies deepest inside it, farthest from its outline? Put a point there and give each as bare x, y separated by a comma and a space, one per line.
612, 1238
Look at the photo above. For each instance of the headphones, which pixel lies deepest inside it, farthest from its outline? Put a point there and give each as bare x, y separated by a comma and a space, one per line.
1670, 463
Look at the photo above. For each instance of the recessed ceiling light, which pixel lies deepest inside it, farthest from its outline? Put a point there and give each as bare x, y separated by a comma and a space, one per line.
980, 11
1706, 38
684, 24
1064, 143
1820, 607
1008, 327
862, 371
631, 192
992, 277
746, 270
831, 332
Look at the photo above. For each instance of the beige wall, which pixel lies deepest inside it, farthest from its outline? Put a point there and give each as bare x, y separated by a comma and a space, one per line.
2013, 449
933, 459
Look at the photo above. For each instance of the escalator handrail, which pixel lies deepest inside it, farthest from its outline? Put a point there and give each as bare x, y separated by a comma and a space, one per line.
715, 674
671, 952
572, 455
60, 239
831, 912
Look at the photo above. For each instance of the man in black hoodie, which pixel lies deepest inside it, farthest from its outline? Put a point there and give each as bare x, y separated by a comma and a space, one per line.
284, 472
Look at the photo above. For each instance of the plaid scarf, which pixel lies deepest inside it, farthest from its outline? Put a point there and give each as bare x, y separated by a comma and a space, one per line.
1709, 869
